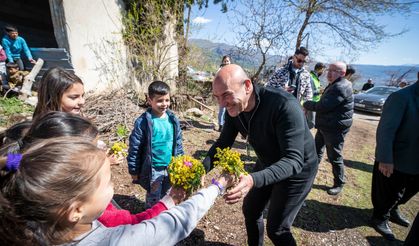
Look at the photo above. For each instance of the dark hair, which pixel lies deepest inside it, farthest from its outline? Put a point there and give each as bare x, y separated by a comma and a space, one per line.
158, 88
12, 65
51, 125
303, 51
14, 133
10, 28
350, 70
319, 65
35, 200
51, 89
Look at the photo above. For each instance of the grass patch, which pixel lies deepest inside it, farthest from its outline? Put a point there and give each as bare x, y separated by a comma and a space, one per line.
10, 107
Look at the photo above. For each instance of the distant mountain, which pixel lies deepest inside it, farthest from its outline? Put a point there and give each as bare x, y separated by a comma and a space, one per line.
216, 51
378, 73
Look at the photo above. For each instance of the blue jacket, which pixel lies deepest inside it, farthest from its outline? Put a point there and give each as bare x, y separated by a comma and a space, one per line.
140, 154
14, 47
397, 133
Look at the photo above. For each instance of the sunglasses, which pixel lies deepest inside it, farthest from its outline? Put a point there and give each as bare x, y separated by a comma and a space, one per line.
298, 60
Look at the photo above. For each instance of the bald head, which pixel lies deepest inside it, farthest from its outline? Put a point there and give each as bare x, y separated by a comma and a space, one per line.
230, 74
336, 70
233, 90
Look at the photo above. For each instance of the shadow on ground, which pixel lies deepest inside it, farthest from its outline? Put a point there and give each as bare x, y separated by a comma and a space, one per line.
197, 237
362, 166
380, 241
317, 216
130, 203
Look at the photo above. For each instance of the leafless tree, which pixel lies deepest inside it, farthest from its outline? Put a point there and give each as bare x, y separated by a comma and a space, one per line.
349, 24
261, 27
396, 77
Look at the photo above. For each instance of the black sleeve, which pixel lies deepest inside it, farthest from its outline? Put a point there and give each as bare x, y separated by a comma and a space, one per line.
290, 132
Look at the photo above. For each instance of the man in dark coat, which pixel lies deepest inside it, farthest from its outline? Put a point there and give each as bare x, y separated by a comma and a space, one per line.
333, 119
396, 170
274, 125
367, 85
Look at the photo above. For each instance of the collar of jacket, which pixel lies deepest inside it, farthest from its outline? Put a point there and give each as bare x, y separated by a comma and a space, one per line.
170, 113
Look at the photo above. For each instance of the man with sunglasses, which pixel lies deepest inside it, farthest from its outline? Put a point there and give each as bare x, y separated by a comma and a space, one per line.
293, 77
333, 120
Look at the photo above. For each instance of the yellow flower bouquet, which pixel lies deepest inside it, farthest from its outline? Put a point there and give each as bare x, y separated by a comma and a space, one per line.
229, 161
119, 149
186, 172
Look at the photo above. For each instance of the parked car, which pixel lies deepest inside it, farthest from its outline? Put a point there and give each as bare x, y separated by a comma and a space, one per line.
198, 75
373, 99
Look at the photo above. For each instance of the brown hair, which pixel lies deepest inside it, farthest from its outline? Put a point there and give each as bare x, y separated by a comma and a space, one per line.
51, 89
35, 200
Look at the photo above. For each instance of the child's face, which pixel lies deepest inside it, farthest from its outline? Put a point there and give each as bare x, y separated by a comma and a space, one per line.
226, 61
159, 104
97, 203
13, 35
72, 100
12, 70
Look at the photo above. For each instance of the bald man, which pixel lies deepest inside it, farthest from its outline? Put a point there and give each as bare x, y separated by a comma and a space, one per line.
333, 120
274, 125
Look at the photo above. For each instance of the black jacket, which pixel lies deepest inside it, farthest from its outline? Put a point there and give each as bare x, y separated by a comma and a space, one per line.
277, 130
335, 109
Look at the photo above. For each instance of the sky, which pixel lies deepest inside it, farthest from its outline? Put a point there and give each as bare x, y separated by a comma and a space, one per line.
213, 25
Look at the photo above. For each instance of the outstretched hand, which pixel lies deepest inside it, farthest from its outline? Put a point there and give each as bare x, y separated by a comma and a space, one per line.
177, 194
240, 190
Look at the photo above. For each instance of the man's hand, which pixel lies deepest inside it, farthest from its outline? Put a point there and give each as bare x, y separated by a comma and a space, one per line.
386, 168
240, 190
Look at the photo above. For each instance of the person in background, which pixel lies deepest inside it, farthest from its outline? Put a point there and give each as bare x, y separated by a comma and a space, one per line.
334, 114
315, 86
15, 76
155, 138
350, 71
275, 127
368, 85
221, 110
293, 77
14, 46
395, 177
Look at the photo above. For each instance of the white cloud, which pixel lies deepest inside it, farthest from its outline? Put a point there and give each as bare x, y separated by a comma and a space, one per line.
201, 20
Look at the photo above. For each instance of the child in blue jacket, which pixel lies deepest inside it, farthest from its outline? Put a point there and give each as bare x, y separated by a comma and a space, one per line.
156, 137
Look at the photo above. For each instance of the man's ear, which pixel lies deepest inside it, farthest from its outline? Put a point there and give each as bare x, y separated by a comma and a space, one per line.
248, 86
76, 212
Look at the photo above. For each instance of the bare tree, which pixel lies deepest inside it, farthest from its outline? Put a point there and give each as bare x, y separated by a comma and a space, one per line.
262, 27
350, 24
396, 77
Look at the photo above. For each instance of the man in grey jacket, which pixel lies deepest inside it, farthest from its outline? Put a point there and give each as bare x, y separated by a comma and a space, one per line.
395, 176
333, 119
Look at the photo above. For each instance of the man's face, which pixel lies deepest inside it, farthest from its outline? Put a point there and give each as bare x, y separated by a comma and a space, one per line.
299, 60
333, 73
231, 95
13, 35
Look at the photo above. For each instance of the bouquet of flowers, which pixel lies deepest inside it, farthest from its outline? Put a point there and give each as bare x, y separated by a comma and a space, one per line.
229, 161
186, 172
119, 149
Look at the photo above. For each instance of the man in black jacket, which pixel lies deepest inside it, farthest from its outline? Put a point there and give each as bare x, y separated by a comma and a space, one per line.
333, 119
275, 126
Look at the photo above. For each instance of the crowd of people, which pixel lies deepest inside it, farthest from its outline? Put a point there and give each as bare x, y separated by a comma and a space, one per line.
56, 182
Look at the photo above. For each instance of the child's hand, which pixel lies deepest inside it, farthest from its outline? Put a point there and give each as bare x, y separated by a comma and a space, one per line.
177, 194
226, 180
32, 61
134, 178
115, 159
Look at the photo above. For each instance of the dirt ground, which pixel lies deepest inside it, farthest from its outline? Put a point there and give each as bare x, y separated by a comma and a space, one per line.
324, 220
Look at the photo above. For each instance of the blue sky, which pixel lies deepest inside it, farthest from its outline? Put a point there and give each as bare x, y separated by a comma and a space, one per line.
213, 25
